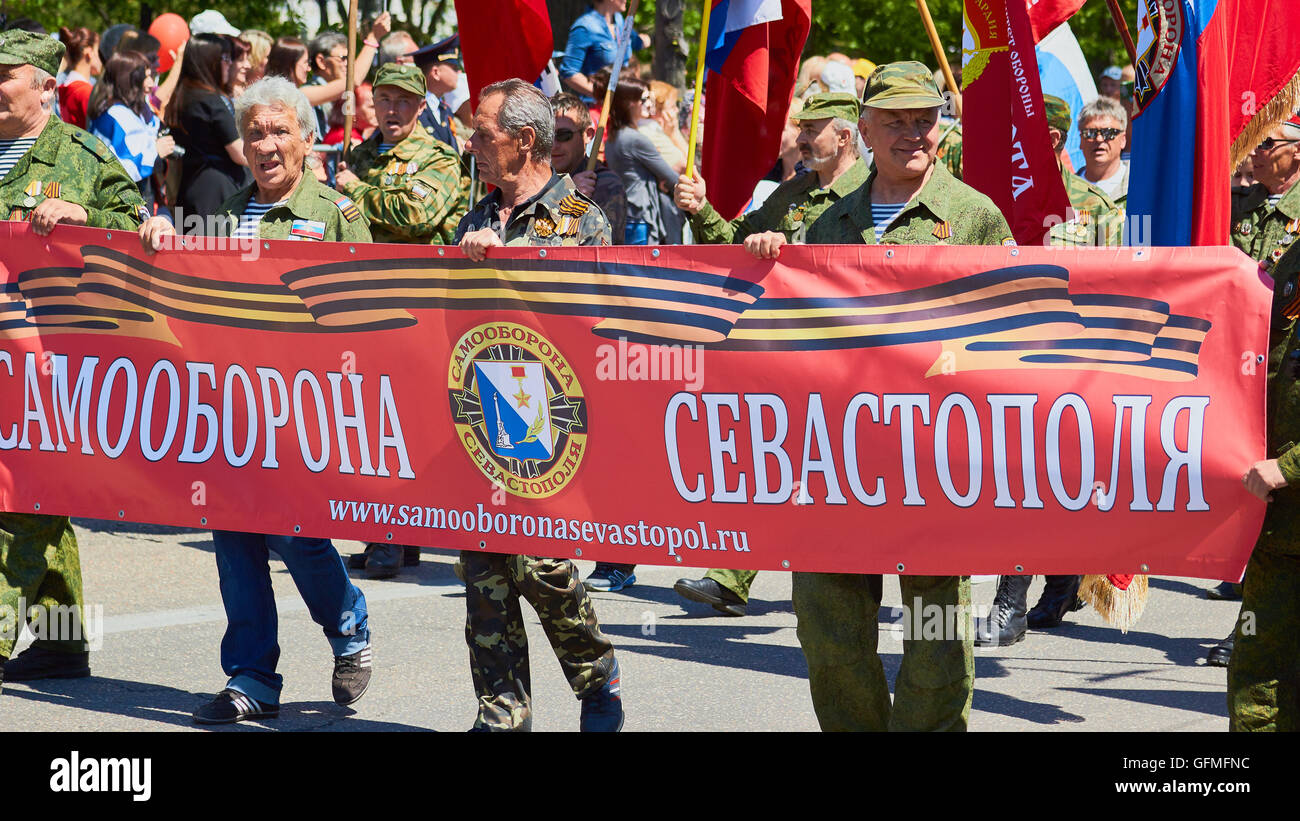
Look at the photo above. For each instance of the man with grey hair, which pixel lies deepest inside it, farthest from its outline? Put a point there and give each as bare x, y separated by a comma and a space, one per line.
828, 144
1101, 136
514, 128
51, 174
397, 48
284, 202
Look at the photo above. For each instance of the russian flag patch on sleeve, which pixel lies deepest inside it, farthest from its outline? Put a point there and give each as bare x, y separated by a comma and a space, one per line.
308, 229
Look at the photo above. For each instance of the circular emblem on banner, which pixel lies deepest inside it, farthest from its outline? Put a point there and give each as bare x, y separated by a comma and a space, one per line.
518, 408
1159, 40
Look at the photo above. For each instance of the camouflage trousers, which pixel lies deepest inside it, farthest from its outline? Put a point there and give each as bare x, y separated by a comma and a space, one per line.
737, 581
39, 567
837, 625
1264, 672
498, 646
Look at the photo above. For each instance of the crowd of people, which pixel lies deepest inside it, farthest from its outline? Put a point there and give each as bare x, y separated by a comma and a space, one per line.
241, 134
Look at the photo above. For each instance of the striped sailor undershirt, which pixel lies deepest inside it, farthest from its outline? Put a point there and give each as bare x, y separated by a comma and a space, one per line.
11, 151
1274, 199
384, 148
883, 214
251, 219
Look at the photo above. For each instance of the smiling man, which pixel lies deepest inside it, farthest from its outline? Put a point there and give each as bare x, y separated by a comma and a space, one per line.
908, 199
406, 183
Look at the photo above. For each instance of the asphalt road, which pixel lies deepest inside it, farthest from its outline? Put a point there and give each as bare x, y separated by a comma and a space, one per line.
684, 666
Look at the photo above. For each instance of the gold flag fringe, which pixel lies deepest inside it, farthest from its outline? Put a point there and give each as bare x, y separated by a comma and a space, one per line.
1119, 608
1278, 110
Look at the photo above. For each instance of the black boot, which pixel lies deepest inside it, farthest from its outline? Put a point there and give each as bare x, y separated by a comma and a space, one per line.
1221, 653
1005, 624
1060, 596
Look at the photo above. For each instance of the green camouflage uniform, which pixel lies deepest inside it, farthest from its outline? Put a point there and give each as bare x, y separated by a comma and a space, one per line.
1264, 671
412, 193
949, 152
837, 612
494, 627
943, 206
312, 207
791, 208
558, 215
1097, 219
39, 561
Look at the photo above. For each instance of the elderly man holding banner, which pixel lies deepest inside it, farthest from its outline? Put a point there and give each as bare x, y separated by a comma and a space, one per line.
514, 132
907, 200
278, 128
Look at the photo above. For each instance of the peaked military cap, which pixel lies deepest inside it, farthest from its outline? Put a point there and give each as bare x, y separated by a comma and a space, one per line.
1058, 113
22, 48
443, 51
905, 84
406, 77
830, 104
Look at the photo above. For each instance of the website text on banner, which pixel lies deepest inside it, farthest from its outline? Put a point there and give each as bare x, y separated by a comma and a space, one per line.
938, 410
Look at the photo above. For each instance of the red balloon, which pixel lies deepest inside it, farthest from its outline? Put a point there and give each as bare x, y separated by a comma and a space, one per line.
171, 30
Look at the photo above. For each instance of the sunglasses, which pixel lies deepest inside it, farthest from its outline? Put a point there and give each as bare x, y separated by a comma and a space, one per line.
1270, 142
1106, 134
563, 135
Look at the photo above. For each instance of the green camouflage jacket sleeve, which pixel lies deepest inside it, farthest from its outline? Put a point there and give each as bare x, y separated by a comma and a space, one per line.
413, 193
72, 165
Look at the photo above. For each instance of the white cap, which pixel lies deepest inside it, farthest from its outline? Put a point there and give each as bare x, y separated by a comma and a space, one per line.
838, 77
1113, 73
212, 22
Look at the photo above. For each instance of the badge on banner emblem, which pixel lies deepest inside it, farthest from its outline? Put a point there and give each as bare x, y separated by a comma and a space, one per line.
518, 408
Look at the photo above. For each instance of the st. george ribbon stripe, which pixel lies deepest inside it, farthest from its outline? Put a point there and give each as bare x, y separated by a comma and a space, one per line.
1008, 317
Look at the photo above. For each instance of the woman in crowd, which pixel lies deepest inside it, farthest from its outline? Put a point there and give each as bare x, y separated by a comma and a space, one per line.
82, 46
593, 41
635, 159
240, 66
202, 119
120, 116
661, 126
259, 48
288, 59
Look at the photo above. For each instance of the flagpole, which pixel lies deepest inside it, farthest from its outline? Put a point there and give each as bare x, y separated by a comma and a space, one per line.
937, 48
624, 45
349, 100
699, 89
1122, 25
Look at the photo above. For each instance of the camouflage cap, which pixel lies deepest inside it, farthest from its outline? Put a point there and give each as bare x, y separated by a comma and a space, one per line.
829, 104
905, 84
406, 77
1058, 113
22, 48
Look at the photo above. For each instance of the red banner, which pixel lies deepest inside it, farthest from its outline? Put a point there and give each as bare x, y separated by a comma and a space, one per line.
1008, 158
850, 408
1045, 15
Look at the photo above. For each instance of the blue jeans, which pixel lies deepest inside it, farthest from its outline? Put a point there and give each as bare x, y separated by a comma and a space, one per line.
636, 233
250, 649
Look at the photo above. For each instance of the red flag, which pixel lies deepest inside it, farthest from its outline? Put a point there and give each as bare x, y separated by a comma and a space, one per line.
1045, 15
1010, 159
752, 71
501, 39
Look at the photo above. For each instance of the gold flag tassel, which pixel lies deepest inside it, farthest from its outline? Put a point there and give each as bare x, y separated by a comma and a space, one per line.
1278, 110
1119, 608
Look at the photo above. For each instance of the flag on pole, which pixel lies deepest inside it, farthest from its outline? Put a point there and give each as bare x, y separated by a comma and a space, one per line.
1008, 158
1213, 76
501, 39
1046, 15
1063, 72
753, 60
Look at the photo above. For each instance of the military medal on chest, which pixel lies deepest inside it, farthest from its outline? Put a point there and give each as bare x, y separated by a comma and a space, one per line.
543, 227
33, 188
796, 213
1284, 243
